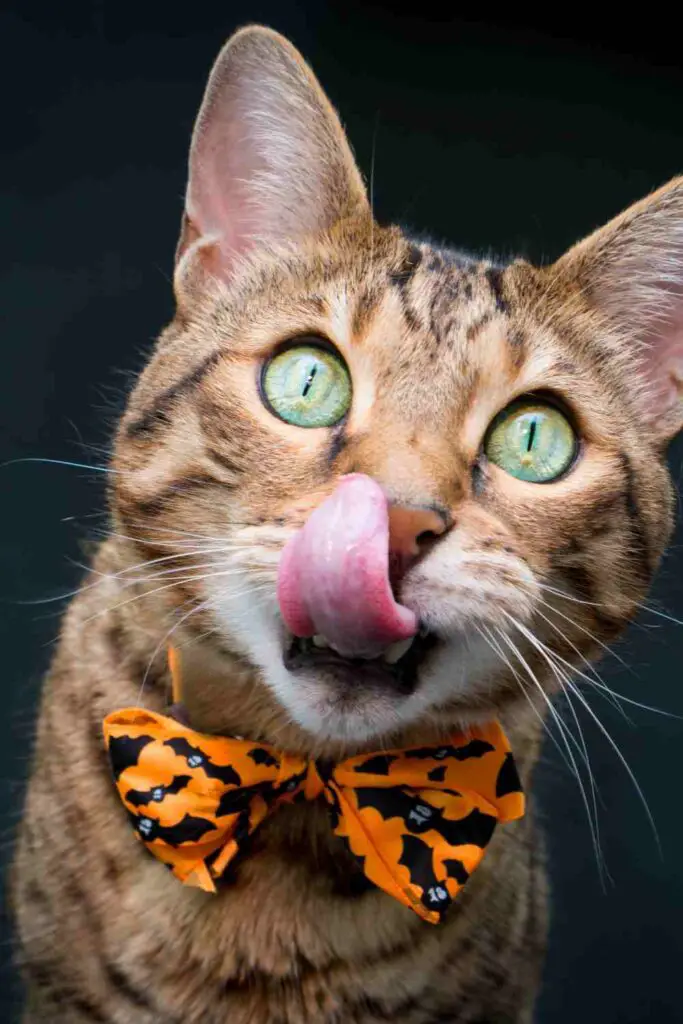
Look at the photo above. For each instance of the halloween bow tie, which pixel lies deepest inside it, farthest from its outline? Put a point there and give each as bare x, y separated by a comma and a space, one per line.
417, 820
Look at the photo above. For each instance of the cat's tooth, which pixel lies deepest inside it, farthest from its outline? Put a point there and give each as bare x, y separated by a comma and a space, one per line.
328, 643
396, 651
320, 641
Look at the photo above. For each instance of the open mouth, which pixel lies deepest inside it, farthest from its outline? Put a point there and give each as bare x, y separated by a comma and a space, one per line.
396, 669
339, 597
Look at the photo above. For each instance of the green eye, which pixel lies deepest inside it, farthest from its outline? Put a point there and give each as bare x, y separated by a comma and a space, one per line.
532, 441
307, 386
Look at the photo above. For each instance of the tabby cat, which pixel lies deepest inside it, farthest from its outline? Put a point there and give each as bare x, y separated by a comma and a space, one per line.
508, 422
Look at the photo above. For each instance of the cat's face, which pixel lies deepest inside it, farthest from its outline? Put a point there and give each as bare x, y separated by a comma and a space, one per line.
482, 446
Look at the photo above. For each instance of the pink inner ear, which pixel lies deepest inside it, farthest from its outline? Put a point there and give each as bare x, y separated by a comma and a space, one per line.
218, 203
269, 161
663, 367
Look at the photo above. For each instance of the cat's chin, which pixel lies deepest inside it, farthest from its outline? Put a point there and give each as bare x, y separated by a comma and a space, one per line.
329, 711
353, 699
368, 715
356, 702
445, 679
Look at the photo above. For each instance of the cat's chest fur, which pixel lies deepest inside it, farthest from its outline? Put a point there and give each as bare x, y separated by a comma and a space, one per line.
294, 937
283, 942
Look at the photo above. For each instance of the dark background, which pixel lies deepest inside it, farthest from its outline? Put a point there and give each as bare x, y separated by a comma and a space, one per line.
497, 136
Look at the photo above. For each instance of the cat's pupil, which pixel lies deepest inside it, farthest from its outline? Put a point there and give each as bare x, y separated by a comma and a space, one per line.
309, 380
532, 433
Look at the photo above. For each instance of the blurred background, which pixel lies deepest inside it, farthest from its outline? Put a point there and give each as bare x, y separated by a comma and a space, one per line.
498, 136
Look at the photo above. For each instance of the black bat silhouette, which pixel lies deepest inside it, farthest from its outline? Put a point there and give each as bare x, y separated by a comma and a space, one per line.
124, 752
418, 857
377, 765
508, 779
138, 797
261, 756
457, 870
475, 748
475, 829
196, 758
417, 815
189, 829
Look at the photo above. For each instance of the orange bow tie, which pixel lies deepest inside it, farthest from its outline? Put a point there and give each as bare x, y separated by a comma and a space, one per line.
418, 820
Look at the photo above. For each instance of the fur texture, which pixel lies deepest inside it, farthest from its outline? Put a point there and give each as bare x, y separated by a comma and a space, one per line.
278, 242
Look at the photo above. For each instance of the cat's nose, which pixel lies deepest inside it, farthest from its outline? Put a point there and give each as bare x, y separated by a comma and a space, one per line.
411, 533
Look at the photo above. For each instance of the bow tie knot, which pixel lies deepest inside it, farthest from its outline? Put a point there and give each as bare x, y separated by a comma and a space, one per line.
418, 821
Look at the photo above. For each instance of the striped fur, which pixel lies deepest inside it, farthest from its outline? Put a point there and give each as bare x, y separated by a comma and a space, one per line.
210, 485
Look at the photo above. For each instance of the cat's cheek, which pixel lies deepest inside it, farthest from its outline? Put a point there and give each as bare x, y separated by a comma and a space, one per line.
460, 673
451, 594
247, 617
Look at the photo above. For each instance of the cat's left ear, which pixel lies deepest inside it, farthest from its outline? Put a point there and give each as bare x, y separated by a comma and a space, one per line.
269, 161
631, 270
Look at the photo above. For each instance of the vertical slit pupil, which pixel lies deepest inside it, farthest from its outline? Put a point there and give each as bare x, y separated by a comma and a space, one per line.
532, 434
309, 380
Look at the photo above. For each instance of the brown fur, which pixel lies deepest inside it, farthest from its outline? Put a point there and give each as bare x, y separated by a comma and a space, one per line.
436, 344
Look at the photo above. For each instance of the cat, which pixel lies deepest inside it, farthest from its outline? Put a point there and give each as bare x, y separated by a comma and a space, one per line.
509, 422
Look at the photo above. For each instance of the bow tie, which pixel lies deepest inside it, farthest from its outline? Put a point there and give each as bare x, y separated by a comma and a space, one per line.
417, 820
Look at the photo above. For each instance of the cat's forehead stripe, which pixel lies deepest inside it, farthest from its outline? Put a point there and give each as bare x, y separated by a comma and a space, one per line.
366, 304
402, 279
494, 276
156, 414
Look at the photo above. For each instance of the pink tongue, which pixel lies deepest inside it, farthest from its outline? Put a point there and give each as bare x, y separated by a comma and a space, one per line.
334, 574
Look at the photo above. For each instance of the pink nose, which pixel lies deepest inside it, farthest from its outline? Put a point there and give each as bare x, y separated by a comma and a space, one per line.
410, 530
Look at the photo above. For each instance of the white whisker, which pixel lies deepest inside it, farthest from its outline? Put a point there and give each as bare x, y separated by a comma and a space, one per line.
483, 630
662, 615
568, 737
626, 765
597, 683
587, 632
168, 586
64, 462
570, 597
575, 690
164, 640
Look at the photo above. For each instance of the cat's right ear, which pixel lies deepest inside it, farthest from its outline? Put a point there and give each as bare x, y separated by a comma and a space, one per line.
269, 160
630, 273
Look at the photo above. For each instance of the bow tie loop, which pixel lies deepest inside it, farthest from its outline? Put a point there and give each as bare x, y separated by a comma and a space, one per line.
418, 820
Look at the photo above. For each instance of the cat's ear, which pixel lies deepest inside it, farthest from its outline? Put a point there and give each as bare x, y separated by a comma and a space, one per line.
632, 271
269, 160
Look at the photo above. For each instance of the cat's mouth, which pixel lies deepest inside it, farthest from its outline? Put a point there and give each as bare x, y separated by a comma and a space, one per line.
395, 670
353, 652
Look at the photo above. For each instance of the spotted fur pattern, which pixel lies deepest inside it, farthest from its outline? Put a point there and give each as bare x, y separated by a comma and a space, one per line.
278, 242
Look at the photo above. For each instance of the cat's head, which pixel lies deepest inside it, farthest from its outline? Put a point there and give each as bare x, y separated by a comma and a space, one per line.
444, 448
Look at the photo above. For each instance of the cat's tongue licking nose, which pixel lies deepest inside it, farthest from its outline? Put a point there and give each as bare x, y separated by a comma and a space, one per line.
334, 574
